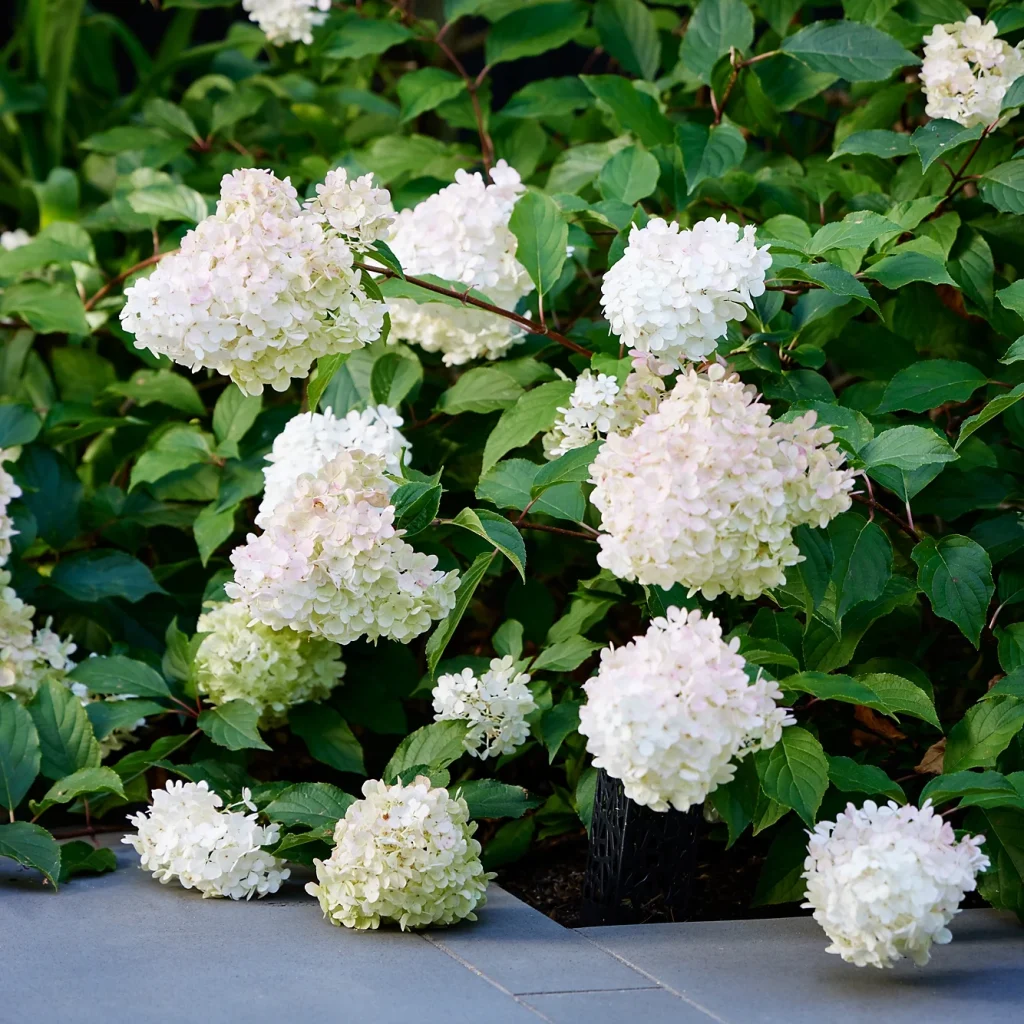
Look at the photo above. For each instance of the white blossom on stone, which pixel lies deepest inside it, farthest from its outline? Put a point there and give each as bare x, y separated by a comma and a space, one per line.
287, 21
331, 563
185, 836
9, 490
311, 439
669, 713
706, 491
356, 209
405, 855
495, 705
272, 669
462, 234
28, 657
673, 292
966, 72
884, 882
258, 291
598, 406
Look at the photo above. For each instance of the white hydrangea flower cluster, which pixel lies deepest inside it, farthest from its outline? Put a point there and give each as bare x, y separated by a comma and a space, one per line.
258, 291
331, 562
707, 490
598, 406
9, 490
186, 836
28, 657
967, 70
495, 705
669, 712
287, 21
14, 239
272, 669
884, 882
311, 439
462, 234
405, 855
355, 209
674, 292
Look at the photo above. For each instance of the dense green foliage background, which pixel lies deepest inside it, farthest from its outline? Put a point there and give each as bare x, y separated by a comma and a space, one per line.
894, 311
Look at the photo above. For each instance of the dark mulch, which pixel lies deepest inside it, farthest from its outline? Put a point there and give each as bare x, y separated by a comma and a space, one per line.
550, 879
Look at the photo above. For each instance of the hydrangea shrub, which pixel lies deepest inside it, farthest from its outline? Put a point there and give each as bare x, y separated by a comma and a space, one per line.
449, 401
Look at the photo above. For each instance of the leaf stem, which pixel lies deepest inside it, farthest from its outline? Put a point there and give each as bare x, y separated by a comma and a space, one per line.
124, 275
528, 325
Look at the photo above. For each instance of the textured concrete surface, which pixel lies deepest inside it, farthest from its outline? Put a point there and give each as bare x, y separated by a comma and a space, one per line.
778, 971
122, 948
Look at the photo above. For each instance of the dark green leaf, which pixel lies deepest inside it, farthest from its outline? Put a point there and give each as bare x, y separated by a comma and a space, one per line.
929, 384
518, 425
95, 575
533, 30
862, 560
874, 142
558, 723
542, 235
628, 32
436, 745
939, 136
795, 772
635, 110
715, 26
488, 798
233, 725
445, 629
849, 776
629, 176
425, 89
497, 530
480, 390
566, 655
32, 846
956, 574
316, 804
19, 753
858, 53
81, 858
983, 734
327, 736
119, 675
66, 739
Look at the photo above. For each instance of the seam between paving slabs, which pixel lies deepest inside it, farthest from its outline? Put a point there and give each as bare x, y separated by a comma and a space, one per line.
490, 981
595, 991
658, 983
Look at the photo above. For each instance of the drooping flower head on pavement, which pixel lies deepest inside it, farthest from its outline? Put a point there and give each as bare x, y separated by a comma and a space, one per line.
884, 882
405, 855
185, 836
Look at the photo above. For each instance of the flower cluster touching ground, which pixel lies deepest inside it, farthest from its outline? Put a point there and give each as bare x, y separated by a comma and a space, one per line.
186, 837
405, 855
884, 882
658, 423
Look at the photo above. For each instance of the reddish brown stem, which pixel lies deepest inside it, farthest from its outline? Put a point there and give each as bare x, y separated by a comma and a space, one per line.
528, 325
124, 275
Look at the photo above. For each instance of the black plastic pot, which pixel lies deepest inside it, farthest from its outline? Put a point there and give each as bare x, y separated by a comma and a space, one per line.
641, 862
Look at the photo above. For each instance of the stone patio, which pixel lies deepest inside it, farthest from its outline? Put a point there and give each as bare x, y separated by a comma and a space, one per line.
122, 948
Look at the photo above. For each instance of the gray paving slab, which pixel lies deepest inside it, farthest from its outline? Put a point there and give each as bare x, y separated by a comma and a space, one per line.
777, 972
524, 951
122, 948
649, 1005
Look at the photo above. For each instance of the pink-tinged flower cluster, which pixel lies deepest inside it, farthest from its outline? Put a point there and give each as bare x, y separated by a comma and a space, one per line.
706, 491
330, 562
258, 291
669, 713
